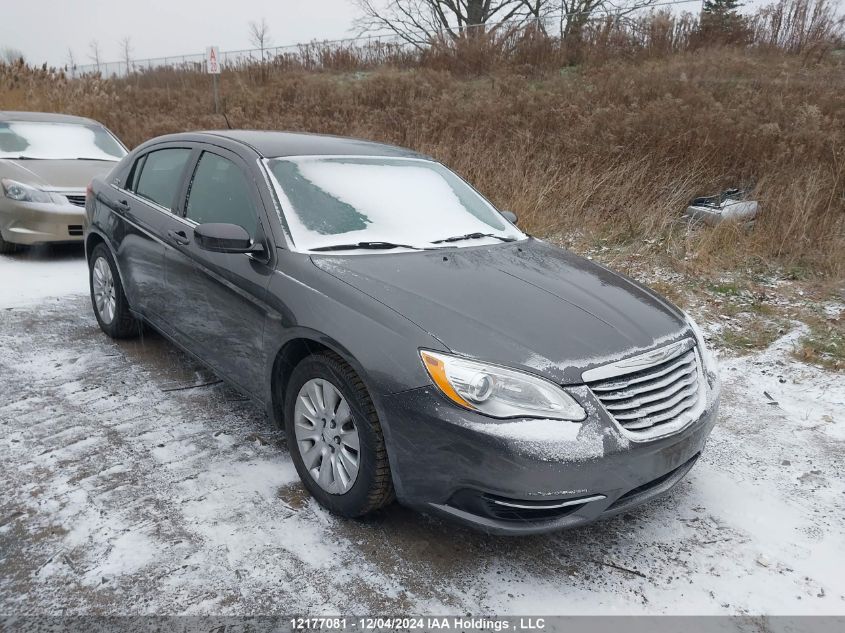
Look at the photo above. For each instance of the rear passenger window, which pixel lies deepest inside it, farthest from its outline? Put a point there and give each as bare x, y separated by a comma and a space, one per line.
132, 181
159, 174
220, 192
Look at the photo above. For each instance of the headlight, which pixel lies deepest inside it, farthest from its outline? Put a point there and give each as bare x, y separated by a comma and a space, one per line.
497, 391
23, 193
710, 364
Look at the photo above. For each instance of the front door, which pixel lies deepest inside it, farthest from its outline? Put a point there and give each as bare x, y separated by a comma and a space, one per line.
216, 301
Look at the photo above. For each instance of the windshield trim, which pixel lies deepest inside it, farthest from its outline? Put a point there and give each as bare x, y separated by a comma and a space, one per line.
275, 185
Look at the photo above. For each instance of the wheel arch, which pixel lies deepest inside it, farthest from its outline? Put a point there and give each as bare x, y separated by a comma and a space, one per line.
94, 239
91, 241
294, 351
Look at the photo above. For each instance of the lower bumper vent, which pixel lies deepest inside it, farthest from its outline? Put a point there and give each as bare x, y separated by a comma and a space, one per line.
655, 486
74, 230
518, 510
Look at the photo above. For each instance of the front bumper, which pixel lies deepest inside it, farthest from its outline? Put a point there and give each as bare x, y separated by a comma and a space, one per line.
493, 476
37, 223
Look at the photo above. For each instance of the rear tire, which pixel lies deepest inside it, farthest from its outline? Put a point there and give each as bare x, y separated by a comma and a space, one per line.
371, 487
107, 297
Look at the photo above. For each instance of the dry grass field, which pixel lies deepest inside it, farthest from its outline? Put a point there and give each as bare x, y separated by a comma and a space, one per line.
609, 151
601, 156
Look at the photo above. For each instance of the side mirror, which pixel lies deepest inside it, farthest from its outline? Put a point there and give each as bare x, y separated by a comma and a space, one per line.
225, 238
510, 216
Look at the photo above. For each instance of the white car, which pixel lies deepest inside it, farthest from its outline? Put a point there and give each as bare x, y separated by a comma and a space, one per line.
46, 163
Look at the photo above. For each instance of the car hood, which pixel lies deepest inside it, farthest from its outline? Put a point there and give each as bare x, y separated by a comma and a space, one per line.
526, 304
54, 174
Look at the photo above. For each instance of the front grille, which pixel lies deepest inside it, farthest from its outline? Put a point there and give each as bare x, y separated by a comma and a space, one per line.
74, 230
654, 396
79, 201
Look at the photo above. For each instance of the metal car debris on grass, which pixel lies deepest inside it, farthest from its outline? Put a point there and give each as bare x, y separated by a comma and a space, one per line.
731, 204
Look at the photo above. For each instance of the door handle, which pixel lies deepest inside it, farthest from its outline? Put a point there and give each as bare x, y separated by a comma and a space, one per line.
122, 205
180, 237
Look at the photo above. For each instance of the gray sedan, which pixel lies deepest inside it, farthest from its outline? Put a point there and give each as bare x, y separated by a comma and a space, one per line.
413, 342
46, 163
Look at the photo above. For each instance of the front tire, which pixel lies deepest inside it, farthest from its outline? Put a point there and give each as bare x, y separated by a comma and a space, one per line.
107, 297
335, 437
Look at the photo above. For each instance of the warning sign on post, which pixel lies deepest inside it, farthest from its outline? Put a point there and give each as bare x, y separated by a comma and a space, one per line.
212, 60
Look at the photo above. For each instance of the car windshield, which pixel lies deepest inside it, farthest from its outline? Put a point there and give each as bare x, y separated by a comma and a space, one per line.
333, 201
55, 141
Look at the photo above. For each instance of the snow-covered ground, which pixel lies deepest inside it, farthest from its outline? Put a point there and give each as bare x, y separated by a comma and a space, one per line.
29, 277
124, 492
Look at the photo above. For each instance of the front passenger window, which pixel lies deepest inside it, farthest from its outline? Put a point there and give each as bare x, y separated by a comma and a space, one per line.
220, 192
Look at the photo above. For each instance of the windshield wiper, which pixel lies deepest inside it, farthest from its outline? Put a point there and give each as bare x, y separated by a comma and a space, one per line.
474, 236
103, 160
380, 246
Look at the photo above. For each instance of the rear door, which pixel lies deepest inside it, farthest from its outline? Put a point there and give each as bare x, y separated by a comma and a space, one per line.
216, 301
147, 202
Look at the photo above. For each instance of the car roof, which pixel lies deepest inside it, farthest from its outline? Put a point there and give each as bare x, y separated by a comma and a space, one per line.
44, 117
271, 144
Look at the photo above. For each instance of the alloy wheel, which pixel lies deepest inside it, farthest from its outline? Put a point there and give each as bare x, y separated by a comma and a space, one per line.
326, 436
105, 297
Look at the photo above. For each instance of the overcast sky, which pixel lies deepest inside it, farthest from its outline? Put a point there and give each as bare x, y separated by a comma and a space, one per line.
44, 29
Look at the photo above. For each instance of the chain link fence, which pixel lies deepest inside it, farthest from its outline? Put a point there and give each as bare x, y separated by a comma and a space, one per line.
640, 25
368, 48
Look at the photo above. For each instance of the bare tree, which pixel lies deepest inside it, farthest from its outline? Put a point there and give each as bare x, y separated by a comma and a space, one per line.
575, 14
94, 53
126, 49
11, 55
420, 21
71, 62
259, 35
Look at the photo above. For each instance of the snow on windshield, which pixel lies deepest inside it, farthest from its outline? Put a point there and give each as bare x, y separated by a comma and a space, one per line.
38, 140
341, 200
